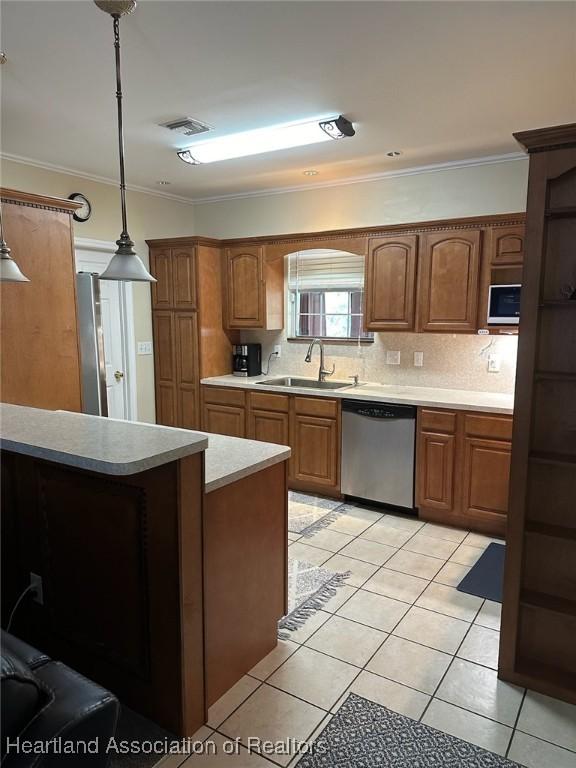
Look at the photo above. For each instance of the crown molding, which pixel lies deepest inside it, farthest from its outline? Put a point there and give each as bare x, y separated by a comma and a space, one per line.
363, 179
93, 177
370, 177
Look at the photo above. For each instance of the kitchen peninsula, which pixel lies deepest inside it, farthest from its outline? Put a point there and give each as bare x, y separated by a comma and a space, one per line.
161, 553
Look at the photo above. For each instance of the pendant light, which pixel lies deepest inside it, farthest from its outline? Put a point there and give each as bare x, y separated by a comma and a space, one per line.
125, 264
9, 270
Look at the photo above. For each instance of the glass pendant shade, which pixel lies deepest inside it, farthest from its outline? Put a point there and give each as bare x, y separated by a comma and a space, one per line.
9, 270
127, 265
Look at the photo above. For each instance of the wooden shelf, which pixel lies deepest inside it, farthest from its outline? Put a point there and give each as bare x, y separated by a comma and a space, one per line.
558, 304
561, 213
548, 602
547, 529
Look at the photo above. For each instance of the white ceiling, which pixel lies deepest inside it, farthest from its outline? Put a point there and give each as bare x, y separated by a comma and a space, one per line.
439, 81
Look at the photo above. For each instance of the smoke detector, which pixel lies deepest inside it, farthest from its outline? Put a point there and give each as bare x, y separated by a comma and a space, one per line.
187, 126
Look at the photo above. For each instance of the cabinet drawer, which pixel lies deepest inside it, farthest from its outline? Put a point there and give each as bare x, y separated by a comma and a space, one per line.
316, 406
266, 401
224, 396
437, 421
492, 427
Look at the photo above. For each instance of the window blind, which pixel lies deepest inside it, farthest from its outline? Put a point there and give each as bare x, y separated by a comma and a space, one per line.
323, 269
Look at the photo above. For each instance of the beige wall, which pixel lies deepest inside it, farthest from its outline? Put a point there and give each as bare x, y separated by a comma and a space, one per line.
148, 216
441, 194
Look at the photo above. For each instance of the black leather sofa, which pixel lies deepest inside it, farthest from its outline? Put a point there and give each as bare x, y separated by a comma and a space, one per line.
48, 707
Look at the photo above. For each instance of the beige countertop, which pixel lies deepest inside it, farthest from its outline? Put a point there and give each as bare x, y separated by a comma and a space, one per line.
116, 447
458, 399
110, 446
229, 459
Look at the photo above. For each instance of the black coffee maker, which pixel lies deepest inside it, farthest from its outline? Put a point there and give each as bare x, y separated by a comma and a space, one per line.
247, 359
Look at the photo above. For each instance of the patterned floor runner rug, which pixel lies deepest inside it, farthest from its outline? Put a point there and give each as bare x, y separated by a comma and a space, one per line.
309, 589
363, 734
308, 514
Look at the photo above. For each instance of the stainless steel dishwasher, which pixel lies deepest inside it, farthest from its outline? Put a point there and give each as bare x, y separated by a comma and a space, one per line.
378, 452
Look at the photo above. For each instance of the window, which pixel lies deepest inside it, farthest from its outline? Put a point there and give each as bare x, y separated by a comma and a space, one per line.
326, 295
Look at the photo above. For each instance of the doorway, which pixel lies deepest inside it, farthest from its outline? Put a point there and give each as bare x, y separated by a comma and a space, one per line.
117, 328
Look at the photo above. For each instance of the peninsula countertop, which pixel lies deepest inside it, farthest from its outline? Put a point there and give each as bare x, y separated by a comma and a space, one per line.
116, 447
434, 397
109, 446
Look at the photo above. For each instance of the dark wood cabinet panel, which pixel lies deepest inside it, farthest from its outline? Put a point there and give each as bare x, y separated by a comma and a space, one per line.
161, 269
390, 283
245, 287
449, 280
184, 278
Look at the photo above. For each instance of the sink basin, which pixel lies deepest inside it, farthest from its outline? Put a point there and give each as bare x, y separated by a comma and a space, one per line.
289, 381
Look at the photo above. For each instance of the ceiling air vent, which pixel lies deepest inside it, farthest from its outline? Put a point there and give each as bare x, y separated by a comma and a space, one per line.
187, 126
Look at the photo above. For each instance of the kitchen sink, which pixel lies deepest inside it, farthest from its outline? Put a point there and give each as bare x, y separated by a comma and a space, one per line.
289, 381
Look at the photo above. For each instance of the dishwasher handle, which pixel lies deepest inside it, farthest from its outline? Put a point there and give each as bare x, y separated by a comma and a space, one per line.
379, 410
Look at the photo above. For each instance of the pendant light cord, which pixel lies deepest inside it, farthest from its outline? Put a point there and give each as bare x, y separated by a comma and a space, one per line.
116, 20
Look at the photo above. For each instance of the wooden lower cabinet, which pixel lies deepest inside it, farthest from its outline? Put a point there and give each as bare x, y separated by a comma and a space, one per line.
463, 468
309, 425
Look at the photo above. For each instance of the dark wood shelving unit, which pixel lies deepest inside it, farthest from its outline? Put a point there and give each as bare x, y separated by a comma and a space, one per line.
539, 606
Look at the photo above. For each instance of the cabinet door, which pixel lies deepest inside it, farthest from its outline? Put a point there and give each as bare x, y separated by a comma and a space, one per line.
187, 382
184, 278
245, 287
161, 269
449, 280
165, 368
507, 245
486, 477
224, 419
315, 446
435, 471
269, 426
391, 283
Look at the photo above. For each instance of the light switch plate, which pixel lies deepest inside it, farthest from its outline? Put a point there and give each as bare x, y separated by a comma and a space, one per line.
144, 347
418, 359
493, 363
392, 357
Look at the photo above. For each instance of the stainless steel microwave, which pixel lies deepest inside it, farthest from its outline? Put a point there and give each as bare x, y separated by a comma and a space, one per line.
504, 305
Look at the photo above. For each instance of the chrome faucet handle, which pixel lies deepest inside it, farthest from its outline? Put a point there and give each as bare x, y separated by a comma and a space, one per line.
356, 378
326, 372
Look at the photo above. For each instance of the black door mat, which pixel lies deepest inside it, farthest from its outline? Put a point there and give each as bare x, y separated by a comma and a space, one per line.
486, 577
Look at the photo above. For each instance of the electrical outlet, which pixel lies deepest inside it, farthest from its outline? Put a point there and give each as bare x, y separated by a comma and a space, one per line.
278, 350
38, 591
418, 359
493, 363
392, 357
144, 347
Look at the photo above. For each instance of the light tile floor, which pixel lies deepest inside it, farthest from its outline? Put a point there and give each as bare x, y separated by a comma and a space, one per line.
399, 634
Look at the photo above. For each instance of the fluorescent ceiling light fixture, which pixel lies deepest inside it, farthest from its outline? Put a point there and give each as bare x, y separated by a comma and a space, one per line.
270, 139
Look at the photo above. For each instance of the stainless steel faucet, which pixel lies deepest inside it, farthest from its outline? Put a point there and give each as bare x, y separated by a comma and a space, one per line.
322, 372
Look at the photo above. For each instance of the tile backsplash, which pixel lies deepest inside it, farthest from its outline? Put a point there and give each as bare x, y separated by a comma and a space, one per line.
451, 361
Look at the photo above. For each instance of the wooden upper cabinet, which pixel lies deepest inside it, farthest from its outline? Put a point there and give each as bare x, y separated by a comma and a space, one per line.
163, 288
175, 273
449, 280
254, 289
184, 278
390, 283
507, 245
245, 287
